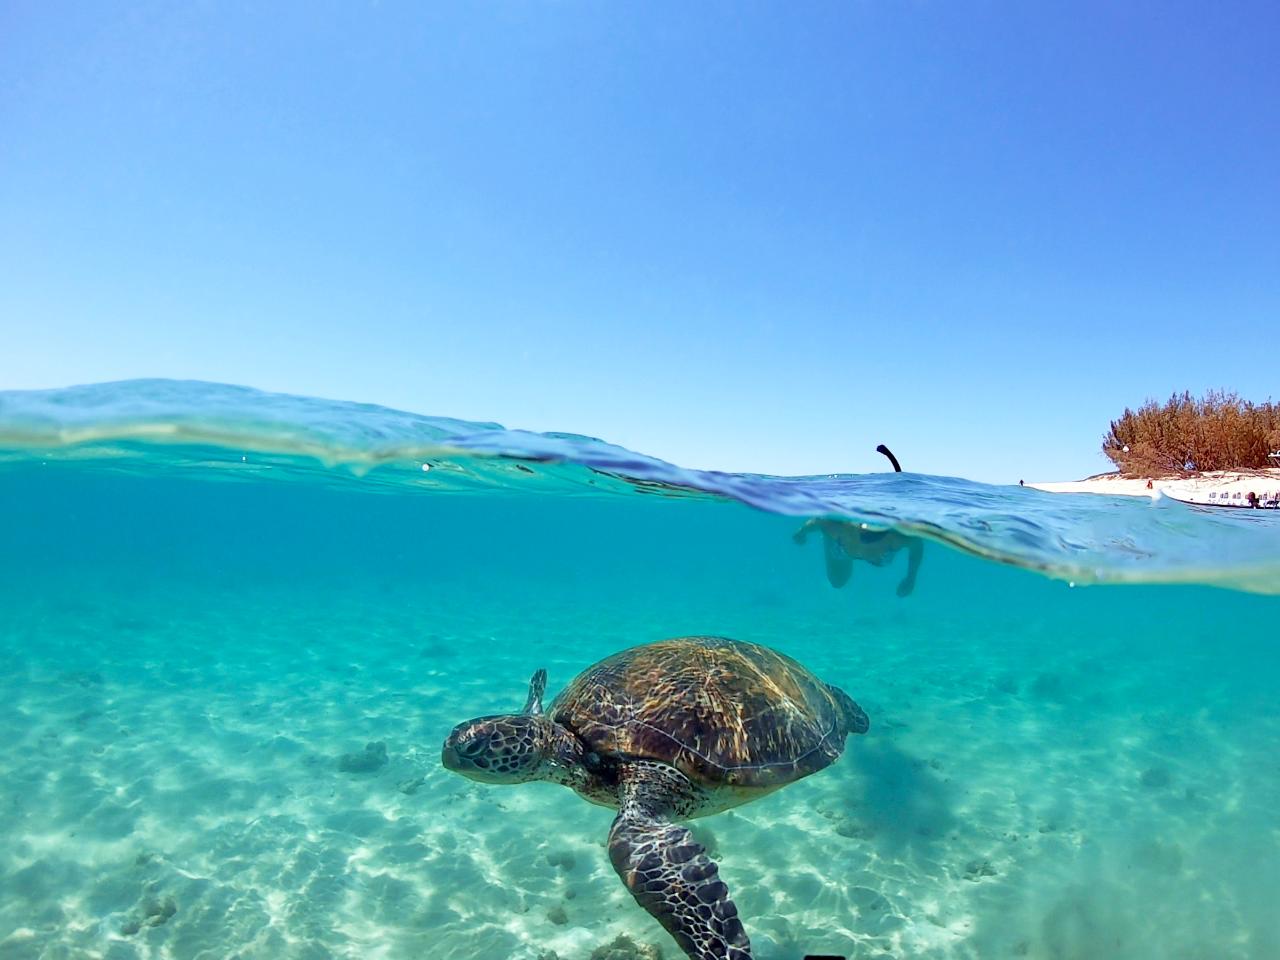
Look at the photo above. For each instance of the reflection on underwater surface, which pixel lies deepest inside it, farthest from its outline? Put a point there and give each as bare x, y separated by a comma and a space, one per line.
221, 709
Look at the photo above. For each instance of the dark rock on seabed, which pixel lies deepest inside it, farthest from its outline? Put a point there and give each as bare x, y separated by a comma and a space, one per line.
624, 948
373, 758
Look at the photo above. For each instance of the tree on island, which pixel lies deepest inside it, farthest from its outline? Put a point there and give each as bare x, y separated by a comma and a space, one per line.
1189, 435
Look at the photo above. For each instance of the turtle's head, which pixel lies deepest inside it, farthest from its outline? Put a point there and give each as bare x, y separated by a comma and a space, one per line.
504, 749
508, 748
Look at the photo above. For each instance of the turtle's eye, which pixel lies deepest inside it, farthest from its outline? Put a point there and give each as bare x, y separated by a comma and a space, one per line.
473, 748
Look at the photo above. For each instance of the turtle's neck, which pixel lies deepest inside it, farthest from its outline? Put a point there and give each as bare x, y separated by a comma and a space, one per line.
566, 760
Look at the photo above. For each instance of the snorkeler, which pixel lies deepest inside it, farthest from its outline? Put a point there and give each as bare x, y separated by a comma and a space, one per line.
844, 541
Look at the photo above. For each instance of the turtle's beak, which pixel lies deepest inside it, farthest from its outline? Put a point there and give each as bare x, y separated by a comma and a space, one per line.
464, 750
449, 756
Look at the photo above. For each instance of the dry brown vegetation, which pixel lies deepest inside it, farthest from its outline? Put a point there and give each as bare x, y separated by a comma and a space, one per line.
1187, 435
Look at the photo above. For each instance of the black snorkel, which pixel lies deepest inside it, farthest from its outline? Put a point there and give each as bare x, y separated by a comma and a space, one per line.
870, 536
897, 468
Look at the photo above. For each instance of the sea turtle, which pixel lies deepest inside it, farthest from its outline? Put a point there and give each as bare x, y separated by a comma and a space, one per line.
669, 731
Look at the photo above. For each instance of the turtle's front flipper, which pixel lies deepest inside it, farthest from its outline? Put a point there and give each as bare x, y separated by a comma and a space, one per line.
537, 687
670, 874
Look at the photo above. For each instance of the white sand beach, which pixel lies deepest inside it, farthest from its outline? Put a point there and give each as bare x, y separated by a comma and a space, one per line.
1194, 488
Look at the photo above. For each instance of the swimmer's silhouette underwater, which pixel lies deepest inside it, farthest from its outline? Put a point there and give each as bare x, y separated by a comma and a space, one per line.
844, 542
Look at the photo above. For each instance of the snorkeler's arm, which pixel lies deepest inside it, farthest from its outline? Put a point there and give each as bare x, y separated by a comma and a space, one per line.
915, 553
801, 535
839, 563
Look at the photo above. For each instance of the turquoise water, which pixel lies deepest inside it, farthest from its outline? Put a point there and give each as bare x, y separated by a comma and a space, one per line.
213, 600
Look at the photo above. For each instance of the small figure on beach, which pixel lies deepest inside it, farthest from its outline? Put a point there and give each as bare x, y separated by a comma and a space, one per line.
844, 542
663, 732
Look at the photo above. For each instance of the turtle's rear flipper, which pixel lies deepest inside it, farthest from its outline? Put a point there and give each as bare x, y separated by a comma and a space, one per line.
671, 876
855, 718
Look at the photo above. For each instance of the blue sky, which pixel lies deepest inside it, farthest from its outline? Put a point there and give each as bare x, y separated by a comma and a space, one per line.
738, 236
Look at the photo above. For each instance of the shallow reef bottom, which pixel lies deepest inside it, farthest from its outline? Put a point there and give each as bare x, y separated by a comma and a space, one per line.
221, 709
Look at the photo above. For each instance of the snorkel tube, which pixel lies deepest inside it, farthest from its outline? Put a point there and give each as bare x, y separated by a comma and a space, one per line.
897, 468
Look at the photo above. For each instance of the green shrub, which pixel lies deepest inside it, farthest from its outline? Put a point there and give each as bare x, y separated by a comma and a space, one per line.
1186, 435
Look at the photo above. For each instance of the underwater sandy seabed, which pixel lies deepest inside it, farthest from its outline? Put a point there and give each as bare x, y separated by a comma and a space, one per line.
190, 677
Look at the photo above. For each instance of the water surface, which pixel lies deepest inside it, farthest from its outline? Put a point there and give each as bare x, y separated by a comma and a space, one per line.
209, 597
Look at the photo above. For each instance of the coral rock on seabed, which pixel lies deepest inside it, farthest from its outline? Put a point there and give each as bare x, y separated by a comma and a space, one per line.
561, 859
1155, 778
410, 786
151, 913
975, 870
373, 758
624, 948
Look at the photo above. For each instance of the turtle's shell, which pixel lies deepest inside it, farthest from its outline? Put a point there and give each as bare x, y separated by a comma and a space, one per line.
723, 712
